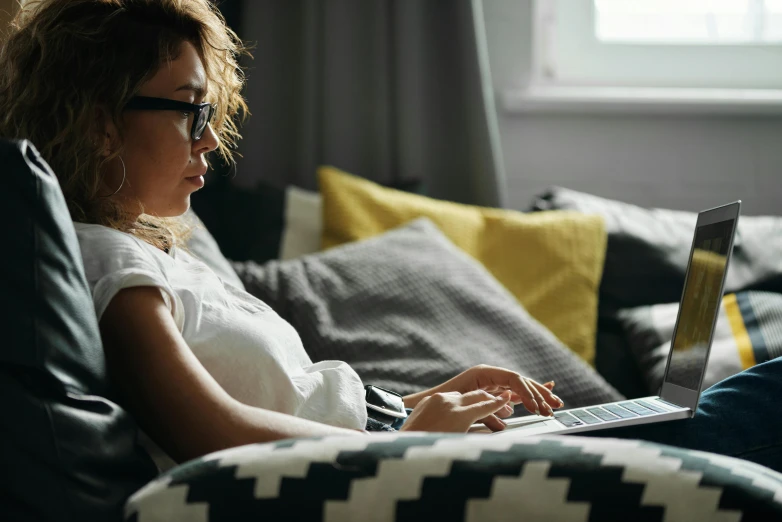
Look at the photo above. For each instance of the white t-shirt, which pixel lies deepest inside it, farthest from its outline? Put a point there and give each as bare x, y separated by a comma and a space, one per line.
255, 355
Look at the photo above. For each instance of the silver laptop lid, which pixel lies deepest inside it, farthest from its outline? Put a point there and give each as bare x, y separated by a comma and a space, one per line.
704, 283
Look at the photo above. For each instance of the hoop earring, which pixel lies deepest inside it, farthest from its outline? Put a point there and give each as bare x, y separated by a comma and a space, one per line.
123, 177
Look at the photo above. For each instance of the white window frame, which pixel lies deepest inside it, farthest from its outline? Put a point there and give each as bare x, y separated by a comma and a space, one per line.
568, 53
573, 71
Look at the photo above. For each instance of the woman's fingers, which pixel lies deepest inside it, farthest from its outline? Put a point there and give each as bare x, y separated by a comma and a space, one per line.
536, 398
456, 412
478, 396
493, 422
539, 396
506, 410
552, 400
524, 390
543, 406
484, 403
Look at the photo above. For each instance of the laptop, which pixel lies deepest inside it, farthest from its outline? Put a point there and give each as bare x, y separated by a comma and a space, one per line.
681, 388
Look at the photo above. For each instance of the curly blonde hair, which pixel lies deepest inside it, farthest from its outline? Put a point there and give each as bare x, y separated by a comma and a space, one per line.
62, 59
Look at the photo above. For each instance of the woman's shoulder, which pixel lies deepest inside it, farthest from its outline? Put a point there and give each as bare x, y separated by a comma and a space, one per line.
92, 230
106, 250
102, 240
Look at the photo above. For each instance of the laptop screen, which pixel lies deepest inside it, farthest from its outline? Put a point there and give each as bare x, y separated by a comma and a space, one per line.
699, 305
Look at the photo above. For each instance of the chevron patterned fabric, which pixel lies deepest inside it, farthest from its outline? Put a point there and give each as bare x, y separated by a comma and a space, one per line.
412, 477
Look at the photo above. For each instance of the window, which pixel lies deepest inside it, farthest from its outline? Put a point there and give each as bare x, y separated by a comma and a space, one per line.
710, 22
724, 44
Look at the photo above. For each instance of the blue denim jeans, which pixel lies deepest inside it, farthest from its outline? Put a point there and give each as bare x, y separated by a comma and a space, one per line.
740, 416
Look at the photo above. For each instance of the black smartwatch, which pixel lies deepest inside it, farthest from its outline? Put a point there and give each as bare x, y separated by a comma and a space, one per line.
384, 405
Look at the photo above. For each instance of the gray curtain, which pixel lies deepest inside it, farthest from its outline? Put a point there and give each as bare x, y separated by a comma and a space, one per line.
396, 91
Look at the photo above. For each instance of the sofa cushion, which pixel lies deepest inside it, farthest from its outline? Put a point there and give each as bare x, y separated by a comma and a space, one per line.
550, 262
646, 261
648, 249
246, 223
408, 310
303, 223
67, 451
266, 221
424, 477
748, 332
203, 245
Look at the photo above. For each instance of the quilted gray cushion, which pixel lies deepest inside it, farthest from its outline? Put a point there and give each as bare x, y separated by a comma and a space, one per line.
408, 310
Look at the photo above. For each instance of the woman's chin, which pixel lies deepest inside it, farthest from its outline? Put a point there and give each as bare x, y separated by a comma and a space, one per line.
171, 211
183, 208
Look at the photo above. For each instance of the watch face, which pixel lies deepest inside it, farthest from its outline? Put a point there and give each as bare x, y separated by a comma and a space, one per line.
386, 411
386, 402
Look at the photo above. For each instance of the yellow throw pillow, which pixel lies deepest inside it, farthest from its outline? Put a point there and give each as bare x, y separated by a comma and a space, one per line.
551, 261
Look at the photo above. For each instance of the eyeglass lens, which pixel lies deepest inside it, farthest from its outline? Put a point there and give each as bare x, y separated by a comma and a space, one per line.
203, 119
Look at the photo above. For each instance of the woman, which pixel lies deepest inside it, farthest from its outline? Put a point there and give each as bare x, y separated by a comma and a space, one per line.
125, 99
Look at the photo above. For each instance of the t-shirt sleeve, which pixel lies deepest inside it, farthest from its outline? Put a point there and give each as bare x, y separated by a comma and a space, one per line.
114, 261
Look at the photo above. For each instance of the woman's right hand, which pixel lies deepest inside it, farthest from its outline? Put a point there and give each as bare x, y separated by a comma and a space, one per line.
454, 411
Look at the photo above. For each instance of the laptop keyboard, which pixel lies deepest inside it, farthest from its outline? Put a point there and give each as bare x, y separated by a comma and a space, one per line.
602, 414
653, 407
636, 408
567, 419
609, 412
619, 411
585, 417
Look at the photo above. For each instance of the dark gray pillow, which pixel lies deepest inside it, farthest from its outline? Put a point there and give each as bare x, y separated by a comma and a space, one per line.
67, 451
648, 250
204, 246
408, 310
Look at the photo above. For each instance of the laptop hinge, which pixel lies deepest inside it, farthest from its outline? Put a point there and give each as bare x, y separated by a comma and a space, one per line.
678, 396
667, 403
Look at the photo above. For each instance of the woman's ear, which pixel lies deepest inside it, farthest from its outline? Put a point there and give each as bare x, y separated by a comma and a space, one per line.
107, 138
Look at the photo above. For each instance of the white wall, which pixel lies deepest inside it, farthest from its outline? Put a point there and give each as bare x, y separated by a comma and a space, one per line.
684, 162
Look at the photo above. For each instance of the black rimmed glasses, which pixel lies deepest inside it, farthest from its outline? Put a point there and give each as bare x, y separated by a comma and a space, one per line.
202, 112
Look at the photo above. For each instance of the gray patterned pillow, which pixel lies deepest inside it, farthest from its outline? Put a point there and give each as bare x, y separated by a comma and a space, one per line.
748, 332
409, 310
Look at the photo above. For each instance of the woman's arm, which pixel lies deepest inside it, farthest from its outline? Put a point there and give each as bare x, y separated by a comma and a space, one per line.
171, 395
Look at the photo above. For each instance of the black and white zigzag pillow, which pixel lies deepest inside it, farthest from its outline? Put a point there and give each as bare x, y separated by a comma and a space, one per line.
412, 477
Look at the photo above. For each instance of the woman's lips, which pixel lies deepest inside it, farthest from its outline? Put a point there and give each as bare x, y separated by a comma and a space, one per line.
198, 181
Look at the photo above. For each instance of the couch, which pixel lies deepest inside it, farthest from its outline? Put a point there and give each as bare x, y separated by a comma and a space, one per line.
70, 450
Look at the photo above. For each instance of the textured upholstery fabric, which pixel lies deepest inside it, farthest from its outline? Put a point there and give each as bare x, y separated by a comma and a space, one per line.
425, 477
646, 261
408, 310
550, 262
748, 332
67, 451
648, 249
303, 223
246, 223
204, 246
